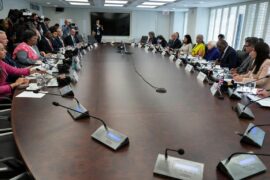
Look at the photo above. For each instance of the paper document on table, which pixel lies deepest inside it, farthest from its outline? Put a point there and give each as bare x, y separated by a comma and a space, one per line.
30, 94
263, 102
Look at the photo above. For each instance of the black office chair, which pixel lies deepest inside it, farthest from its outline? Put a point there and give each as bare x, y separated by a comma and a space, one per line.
10, 167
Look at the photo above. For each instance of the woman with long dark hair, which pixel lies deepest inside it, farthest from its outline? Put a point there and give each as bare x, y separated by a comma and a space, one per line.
187, 45
261, 67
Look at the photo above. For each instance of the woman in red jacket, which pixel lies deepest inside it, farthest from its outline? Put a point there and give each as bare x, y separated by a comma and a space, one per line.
5, 70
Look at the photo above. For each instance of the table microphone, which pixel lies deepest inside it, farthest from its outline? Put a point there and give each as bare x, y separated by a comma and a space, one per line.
247, 164
158, 89
84, 113
258, 125
244, 112
238, 153
179, 151
103, 134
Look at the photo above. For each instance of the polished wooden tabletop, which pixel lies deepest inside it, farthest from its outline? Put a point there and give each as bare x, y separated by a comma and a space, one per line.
56, 147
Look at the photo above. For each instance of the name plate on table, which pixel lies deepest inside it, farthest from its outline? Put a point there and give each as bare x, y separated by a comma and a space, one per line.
96, 45
139, 45
146, 48
178, 62
163, 53
75, 75
201, 77
172, 57
154, 51
84, 51
189, 68
178, 168
88, 48
77, 59
214, 89
132, 44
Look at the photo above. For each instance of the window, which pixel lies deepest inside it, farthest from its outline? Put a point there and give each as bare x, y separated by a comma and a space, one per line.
239, 21
239, 26
211, 24
223, 29
250, 20
185, 23
261, 20
217, 24
231, 25
267, 32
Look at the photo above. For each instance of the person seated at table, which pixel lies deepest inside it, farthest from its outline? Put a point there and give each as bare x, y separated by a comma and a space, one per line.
71, 40
228, 58
187, 45
56, 42
247, 63
161, 41
263, 93
151, 38
175, 42
221, 37
199, 49
45, 44
261, 67
60, 37
6, 70
27, 53
212, 53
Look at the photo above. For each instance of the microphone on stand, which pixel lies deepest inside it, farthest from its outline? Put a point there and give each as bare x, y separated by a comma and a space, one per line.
244, 165
243, 111
110, 137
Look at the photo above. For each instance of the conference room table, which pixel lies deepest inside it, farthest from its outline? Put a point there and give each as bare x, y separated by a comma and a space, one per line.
54, 146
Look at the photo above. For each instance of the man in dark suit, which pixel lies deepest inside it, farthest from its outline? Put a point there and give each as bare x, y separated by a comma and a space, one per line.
71, 40
45, 43
228, 56
98, 28
175, 42
45, 25
56, 42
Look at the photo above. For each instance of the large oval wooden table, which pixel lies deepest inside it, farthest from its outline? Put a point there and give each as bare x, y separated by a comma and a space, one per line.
54, 146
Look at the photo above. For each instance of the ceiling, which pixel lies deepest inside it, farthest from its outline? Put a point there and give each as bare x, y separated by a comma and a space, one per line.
174, 6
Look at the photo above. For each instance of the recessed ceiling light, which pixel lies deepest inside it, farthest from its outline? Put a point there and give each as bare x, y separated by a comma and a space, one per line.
77, 0
115, 2
48, 3
163, 0
154, 3
142, 6
114, 5
79, 3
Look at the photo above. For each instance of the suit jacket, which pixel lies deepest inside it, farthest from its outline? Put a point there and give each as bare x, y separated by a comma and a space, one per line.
69, 42
175, 44
57, 44
229, 59
44, 45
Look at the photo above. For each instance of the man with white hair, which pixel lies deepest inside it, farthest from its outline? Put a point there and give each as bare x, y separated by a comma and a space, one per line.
175, 42
212, 53
66, 28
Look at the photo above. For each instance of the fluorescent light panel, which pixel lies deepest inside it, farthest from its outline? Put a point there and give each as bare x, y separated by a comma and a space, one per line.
115, 2
153, 3
114, 5
163, 0
77, 0
142, 6
80, 3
